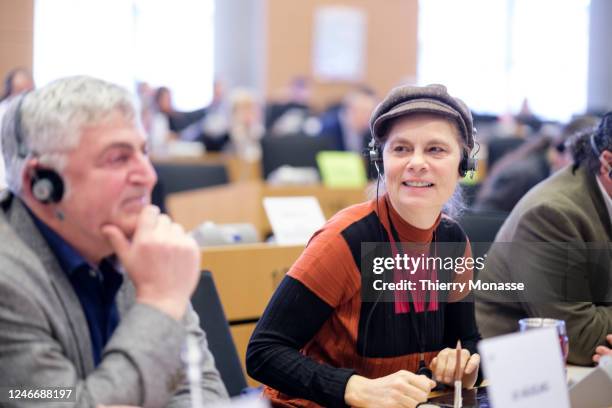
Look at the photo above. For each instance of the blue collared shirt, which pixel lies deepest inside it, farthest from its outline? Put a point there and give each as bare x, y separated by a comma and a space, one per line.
96, 288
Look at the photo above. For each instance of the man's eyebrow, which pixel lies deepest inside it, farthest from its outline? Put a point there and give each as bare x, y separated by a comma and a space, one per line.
125, 145
117, 145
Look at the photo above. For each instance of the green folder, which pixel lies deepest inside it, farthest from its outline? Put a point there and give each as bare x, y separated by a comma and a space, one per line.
342, 169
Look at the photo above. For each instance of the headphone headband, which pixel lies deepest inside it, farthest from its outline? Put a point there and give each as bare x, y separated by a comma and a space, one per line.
594, 145
22, 149
434, 99
46, 185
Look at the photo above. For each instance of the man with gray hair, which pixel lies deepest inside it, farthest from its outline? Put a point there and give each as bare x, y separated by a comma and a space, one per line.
94, 282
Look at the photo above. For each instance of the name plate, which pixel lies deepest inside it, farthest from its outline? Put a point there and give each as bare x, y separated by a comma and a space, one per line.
525, 369
293, 219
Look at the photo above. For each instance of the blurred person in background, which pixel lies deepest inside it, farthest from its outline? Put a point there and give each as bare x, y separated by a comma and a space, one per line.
520, 170
216, 122
526, 117
17, 81
184, 125
289, 113
348, 124
146, 97
245, 129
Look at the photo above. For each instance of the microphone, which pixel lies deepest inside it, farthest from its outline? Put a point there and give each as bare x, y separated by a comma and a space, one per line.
193, 360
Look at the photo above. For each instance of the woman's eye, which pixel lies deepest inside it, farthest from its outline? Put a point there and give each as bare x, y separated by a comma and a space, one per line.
400, 149
436, 149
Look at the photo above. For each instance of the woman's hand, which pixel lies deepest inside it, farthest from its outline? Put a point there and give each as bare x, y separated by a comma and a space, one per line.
601, 351
401, 389
443, 367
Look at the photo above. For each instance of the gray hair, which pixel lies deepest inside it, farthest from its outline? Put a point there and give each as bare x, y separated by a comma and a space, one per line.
52, 118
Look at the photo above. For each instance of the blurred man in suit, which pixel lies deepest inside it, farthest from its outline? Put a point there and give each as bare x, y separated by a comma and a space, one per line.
347, 125
560, 234
94, 282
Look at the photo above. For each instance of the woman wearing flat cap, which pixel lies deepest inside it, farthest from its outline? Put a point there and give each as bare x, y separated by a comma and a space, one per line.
322, 341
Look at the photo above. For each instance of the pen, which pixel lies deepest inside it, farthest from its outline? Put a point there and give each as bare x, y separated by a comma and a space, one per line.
458, 402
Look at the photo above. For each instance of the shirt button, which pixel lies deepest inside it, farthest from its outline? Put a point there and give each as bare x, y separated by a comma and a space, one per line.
92, 273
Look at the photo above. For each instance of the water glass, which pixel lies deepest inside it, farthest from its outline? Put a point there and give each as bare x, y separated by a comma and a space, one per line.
538, 322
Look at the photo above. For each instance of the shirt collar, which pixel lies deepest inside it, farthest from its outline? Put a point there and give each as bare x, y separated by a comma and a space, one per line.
68, 257
606, 197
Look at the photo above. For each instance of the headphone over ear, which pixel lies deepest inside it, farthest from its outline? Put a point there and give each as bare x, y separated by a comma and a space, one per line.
374, 155
467, 164
46, 185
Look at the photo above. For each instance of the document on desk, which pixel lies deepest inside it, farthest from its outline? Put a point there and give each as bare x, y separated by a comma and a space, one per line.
525, 370
293, 219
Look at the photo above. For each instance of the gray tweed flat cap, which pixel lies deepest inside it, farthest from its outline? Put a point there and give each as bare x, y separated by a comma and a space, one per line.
407, 99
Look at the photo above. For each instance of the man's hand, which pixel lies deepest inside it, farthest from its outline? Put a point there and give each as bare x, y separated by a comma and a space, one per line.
443, 367
401, 389
601, 351
162, 261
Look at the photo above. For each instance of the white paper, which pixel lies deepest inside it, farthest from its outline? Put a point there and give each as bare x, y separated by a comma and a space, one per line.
525, 369
339, 43
293, 219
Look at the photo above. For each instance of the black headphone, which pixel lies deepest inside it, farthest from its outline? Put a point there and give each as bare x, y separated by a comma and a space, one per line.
46, 184
598, 153
374, 154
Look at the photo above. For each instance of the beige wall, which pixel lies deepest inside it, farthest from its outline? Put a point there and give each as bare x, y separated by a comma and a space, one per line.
16, 35
390, 56
391, 44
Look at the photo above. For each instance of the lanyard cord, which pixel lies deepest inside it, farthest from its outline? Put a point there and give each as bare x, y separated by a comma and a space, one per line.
422, 370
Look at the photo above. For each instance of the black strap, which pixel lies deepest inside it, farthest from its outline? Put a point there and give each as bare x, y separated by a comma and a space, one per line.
411, 303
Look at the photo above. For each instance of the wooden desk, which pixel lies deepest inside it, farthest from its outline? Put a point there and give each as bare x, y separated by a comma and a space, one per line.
237, 169
242, 203
241, 334
576, 373
246, 277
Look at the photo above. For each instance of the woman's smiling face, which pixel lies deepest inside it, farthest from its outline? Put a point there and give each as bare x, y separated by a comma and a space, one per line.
421, 161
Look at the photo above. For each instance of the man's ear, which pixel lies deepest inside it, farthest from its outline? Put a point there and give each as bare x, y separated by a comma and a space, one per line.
606, 165
26, 176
